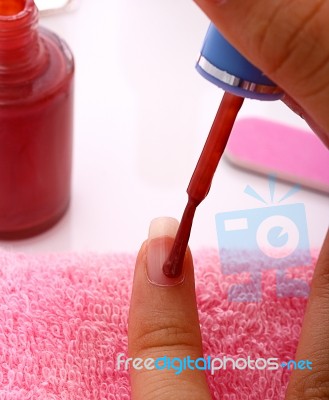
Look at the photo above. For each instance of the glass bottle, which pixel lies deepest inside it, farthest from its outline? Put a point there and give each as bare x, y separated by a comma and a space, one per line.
36, 120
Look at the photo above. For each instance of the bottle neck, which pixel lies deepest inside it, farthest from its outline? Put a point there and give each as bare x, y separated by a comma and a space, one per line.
22, 54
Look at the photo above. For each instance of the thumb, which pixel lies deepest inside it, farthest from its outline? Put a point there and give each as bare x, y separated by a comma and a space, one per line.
163, 324
287, 40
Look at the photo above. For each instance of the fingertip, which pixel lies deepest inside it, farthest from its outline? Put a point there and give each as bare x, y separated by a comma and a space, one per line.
152, 289
155, 251
163, 320
141, 256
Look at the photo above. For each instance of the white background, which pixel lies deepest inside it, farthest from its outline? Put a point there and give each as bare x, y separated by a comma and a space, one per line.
142, 114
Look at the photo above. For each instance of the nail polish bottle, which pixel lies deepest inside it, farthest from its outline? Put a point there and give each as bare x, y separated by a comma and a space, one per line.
36, 119
224, 66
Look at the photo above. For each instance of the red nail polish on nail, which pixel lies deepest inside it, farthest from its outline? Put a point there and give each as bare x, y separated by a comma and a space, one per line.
161, 238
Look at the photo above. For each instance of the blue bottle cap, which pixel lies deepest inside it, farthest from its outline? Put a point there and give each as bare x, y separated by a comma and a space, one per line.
224, 66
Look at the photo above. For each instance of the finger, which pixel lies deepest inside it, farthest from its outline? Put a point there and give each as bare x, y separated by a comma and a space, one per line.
314, 340
287, 40
163, 321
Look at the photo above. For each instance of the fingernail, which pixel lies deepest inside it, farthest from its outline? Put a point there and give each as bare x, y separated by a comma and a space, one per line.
162, 232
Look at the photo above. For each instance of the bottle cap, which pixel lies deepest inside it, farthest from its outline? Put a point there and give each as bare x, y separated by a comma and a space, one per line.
224, 66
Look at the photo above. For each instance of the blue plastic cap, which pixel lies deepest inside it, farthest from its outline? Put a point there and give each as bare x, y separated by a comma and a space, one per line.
224, 66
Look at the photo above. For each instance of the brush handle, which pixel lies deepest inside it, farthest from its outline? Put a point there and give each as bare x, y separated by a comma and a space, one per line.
214, 147
173, 266
201, 179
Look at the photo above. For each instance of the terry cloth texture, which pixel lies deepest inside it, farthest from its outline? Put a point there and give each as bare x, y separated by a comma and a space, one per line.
63, 321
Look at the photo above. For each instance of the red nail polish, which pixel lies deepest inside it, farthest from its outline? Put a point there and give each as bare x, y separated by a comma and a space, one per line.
36, 118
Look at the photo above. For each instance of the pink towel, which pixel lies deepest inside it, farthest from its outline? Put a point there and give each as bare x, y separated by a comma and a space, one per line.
63, 320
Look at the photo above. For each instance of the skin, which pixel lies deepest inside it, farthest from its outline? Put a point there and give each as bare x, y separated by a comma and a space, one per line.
288, 41
164, 322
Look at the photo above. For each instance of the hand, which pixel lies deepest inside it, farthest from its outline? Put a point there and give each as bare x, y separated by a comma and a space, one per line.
288, 41
163, 321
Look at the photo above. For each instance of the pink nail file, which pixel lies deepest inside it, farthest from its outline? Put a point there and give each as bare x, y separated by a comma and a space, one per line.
292, 154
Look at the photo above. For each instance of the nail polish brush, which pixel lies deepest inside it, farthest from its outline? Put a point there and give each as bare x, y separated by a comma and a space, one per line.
223, 65
200, 183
